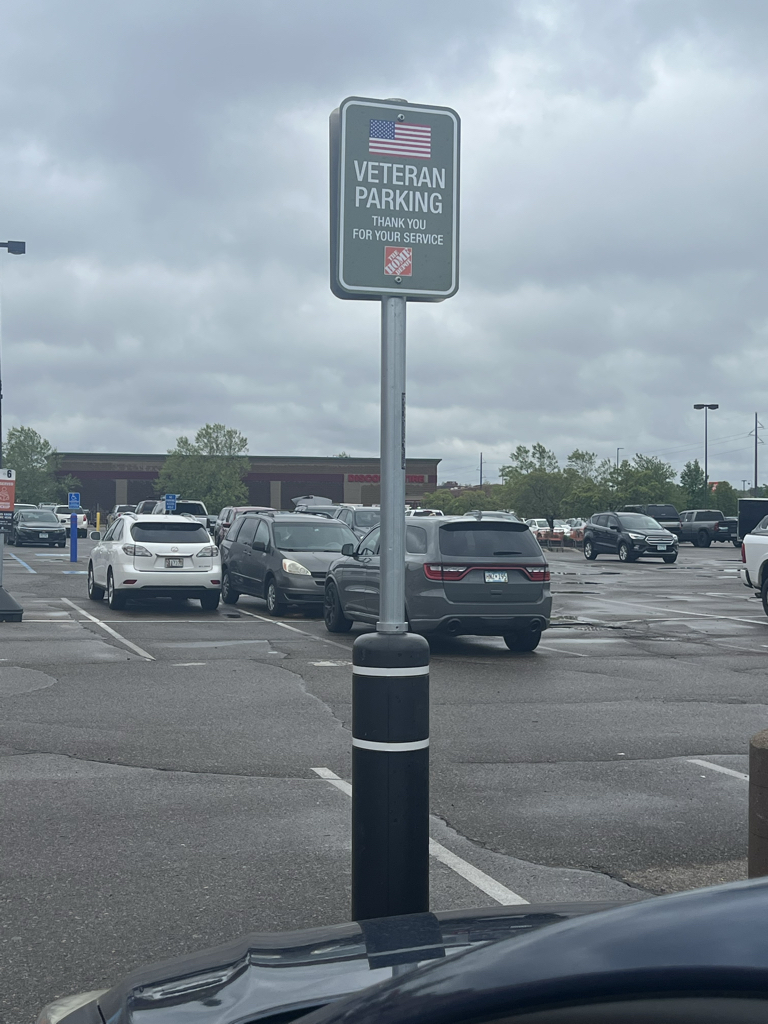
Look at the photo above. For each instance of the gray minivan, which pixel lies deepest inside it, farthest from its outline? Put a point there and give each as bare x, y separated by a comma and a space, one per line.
282, 557
463, 577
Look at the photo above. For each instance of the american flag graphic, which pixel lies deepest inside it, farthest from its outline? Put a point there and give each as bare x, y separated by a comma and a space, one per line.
395, 139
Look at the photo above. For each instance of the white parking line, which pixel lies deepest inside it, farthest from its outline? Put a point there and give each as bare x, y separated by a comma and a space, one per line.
462, 867
21, 562
108, 629
293, 629
556, 650
718, 768
675, 611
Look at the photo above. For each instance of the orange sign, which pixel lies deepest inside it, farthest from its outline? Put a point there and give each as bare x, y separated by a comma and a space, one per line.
7, 495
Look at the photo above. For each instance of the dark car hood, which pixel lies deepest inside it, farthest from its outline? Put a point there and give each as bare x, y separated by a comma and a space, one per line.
315, 561
291, 973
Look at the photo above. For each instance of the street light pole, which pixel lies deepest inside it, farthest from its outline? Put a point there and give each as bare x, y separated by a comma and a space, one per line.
15, 249
706, 407
10, 610
617, 456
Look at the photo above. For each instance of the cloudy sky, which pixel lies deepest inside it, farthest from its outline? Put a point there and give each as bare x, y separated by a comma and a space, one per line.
166, 163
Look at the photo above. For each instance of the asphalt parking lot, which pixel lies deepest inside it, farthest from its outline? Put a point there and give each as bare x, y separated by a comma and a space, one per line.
172, 778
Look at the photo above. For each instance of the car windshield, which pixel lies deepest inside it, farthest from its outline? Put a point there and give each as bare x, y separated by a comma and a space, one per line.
665, 511
65, 509
170, 533
634, 521
366, 519
487, 540
38, 516
320, 536
190, 508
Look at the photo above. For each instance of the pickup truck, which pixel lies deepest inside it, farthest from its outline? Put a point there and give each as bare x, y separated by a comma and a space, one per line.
702, 526
64, 514
754, 556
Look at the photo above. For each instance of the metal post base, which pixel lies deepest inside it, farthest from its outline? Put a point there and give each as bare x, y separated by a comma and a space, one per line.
10, 610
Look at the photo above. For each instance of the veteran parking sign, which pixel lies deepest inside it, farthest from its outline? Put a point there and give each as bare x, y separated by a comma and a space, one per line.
394, 200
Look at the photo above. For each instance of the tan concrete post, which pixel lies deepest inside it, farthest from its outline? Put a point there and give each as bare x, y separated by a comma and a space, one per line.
758, 805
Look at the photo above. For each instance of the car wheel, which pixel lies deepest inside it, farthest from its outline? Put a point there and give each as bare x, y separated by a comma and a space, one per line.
210, 602
625, 555
228, 593
589, 550
523, 641
115, 599
95, 592
703, 540
62, 544
274, 605
11, 540
335, 619
670, 558
736, 543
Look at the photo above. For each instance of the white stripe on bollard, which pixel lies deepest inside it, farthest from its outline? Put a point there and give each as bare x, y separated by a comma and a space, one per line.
392, 748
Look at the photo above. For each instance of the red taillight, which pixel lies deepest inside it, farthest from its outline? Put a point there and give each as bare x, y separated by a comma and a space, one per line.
535, 573
446, 572
743, 553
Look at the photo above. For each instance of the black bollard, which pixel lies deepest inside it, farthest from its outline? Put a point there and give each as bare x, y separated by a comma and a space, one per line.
390, 775
758, 806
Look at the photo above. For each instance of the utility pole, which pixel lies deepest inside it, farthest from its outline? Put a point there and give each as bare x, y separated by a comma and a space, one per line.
755, 455
481, 469
617, 456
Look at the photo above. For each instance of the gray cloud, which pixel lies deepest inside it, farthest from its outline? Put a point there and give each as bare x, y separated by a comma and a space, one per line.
167, 165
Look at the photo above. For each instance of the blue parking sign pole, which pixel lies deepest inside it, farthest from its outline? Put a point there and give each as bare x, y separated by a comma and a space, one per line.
74, 503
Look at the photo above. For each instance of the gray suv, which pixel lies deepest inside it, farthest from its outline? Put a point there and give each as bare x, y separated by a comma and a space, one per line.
283, 558
463, 576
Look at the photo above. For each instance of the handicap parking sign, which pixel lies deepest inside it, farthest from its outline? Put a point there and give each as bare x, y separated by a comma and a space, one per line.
74, 499
170, 502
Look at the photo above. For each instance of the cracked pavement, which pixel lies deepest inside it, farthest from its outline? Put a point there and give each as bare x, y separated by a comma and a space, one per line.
154, 807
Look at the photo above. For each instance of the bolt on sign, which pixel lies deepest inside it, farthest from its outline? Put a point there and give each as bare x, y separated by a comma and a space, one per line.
394, 200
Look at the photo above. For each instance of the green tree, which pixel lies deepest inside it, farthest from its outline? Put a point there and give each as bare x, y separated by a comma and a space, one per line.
726, 498
210, 469
692, 484
34, 460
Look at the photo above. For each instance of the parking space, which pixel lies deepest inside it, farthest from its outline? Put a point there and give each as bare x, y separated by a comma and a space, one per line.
186, 769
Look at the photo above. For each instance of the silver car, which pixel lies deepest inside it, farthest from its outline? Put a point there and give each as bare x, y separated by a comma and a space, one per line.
486, 577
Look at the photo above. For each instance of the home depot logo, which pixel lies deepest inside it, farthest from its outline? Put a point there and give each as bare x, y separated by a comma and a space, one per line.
398, 262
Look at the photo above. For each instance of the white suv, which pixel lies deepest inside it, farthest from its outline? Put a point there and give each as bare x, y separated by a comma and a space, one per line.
155, 556
64, 514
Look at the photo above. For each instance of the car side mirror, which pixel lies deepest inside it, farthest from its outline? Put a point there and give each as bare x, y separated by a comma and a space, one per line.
615, 527
259, 545
95, 535
348, 550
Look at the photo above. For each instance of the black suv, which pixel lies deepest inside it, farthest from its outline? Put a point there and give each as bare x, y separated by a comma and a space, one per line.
283, 558
629, 535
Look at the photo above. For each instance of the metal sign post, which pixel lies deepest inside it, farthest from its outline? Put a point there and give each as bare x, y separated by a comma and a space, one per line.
394, 236
10, 610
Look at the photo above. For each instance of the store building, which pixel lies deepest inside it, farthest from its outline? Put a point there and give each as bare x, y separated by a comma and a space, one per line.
116, 479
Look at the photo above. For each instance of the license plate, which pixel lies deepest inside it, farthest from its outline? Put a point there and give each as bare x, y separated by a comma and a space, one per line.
43, 536
662, 547
496, 577
174, 563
